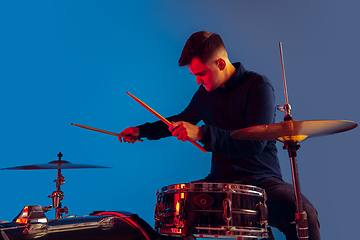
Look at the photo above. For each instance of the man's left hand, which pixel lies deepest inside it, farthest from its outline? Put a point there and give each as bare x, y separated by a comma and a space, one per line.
185, 131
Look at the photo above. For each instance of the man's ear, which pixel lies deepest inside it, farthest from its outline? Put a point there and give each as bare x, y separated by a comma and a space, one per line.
221, 64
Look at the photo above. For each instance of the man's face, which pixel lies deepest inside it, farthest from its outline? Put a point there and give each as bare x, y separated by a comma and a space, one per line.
208, 74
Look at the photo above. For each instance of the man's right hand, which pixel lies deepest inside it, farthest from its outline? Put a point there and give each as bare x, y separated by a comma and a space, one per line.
129, 135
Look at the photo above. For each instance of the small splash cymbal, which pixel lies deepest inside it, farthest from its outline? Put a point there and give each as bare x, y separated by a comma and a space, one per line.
295, 131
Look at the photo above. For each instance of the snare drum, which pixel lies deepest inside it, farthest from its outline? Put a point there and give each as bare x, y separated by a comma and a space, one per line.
211, 210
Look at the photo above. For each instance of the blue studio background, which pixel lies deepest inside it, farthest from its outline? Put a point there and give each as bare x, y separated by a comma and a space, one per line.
73, 61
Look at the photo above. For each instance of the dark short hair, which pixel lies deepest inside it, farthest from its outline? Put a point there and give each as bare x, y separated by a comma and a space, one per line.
202, 45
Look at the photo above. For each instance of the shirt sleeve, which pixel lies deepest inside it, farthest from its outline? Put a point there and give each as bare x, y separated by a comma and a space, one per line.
259, 109
158, 130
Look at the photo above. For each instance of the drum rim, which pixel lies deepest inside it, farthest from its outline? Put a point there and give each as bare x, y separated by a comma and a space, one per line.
211, 185
220, 231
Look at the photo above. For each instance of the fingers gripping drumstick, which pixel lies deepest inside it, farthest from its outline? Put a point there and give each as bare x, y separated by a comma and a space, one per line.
161, 118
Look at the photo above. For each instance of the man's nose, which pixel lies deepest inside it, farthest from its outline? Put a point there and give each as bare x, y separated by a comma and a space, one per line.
198, 80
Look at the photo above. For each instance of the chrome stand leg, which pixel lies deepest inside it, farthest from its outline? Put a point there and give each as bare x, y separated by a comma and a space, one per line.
300, 216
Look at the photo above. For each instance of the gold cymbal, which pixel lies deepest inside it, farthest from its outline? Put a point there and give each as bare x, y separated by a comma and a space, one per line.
292, 130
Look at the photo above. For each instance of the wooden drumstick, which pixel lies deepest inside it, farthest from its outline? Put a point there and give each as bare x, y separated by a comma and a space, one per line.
161, 118
102, 131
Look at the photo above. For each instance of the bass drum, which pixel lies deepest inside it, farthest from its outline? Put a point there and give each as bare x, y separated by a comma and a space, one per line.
211, 210
98, 225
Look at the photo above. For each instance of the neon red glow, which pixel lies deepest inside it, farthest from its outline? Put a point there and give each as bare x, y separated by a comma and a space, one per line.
177, 208
22, 220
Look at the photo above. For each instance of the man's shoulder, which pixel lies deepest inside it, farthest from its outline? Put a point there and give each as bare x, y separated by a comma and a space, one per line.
246, 74
255, 81
256, 77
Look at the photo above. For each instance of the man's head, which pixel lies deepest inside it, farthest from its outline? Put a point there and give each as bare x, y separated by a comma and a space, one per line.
201, 45
205, 55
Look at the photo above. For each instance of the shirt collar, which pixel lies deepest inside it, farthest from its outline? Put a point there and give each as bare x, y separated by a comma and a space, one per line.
235, 80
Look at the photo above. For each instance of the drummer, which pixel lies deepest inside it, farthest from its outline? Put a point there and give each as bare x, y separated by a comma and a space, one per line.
230, 98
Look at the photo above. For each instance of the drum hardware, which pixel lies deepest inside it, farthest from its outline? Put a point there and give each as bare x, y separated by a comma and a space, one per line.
180, 209
31, 214
36, 230
107, 222
285, 108
133, 220
159, 210
227, 209
290, 133
58, 195
47, 208
261, 207
227, 213
270, 234
180, 205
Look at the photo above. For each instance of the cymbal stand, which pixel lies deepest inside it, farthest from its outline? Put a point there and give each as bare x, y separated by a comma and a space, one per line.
300, 215
58, 195
292, 146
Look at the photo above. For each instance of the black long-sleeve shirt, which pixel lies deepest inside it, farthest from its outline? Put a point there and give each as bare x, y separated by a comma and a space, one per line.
247, 100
